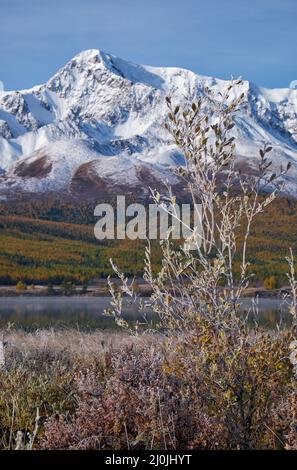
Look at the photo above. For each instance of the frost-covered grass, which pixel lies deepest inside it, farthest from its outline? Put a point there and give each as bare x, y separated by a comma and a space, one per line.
114, 391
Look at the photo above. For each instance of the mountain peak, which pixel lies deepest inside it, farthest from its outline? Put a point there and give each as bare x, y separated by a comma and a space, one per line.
96, 59
92, 57
87, 55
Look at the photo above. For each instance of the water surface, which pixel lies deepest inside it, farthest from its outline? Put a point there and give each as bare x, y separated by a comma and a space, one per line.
86, 313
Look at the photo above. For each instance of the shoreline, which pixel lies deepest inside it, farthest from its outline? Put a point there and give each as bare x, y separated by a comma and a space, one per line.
58, 291
102, 291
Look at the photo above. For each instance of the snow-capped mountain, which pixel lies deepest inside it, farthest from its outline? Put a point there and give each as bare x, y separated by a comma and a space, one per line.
97, 126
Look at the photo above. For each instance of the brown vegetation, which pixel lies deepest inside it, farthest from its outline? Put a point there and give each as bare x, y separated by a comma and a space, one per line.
113, 391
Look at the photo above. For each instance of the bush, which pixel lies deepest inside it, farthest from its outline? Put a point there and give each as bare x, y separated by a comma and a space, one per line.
240, 376
67, 286
21, 286
271, 283
113, 391
50, 289
175, 398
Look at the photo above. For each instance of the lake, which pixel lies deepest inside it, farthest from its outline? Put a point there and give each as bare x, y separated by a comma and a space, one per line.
86, 313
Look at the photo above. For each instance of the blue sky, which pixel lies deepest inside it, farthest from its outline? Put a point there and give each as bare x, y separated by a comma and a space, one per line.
255, 39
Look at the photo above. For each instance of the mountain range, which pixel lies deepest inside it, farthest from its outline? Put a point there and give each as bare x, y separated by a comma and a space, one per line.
96, 128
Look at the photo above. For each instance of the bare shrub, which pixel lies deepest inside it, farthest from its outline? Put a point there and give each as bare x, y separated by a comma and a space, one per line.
239, 373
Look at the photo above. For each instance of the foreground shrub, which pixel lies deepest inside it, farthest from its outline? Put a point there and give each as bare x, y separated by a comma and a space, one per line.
185, 395
241, 375
113, 391
138, 406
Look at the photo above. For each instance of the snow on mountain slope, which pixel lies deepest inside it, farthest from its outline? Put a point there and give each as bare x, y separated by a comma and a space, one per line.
101, 115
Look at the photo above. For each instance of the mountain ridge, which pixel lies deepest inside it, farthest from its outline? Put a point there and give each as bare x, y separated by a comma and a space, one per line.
107, 114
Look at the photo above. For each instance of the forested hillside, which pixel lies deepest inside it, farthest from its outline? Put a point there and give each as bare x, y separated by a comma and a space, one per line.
52, 243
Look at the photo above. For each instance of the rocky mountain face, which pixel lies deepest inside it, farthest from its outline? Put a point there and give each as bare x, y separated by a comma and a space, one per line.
96, 128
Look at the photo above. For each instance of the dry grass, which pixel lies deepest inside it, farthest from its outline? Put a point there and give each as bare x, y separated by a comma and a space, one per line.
76, 390
40, 375
69, 346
